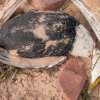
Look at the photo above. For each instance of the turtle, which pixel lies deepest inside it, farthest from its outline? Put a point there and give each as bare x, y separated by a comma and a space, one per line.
37, 39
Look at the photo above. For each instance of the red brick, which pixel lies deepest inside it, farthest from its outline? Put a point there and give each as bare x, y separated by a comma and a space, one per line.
72, 79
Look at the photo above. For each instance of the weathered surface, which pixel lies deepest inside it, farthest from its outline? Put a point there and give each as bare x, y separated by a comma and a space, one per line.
31, 86
72, 79
37, 35
47, 4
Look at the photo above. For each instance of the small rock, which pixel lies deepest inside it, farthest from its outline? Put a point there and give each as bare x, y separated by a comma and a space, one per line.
46, 4
72, 79
84, 44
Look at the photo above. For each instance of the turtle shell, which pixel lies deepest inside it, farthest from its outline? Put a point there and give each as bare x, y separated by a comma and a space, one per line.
37, 39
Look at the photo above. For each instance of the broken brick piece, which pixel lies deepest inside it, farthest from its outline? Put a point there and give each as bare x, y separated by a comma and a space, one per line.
46, 4
72, 79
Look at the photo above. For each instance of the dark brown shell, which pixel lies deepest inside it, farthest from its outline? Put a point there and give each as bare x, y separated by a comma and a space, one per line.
39, 34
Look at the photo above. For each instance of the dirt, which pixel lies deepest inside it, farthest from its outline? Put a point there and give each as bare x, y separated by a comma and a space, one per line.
42, 85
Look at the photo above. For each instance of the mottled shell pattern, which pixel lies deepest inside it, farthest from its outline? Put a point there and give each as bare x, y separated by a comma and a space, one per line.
37, 35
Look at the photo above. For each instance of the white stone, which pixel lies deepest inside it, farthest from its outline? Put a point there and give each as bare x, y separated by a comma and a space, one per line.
84, 43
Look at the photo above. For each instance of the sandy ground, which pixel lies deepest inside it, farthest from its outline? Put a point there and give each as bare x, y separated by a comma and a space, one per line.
42, 85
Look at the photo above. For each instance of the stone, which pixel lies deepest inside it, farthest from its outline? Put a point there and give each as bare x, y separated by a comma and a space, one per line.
47, 4
72, 79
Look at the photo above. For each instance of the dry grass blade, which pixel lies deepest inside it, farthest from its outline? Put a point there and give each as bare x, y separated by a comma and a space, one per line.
85, 95
6, 71
8, 8
93, 21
